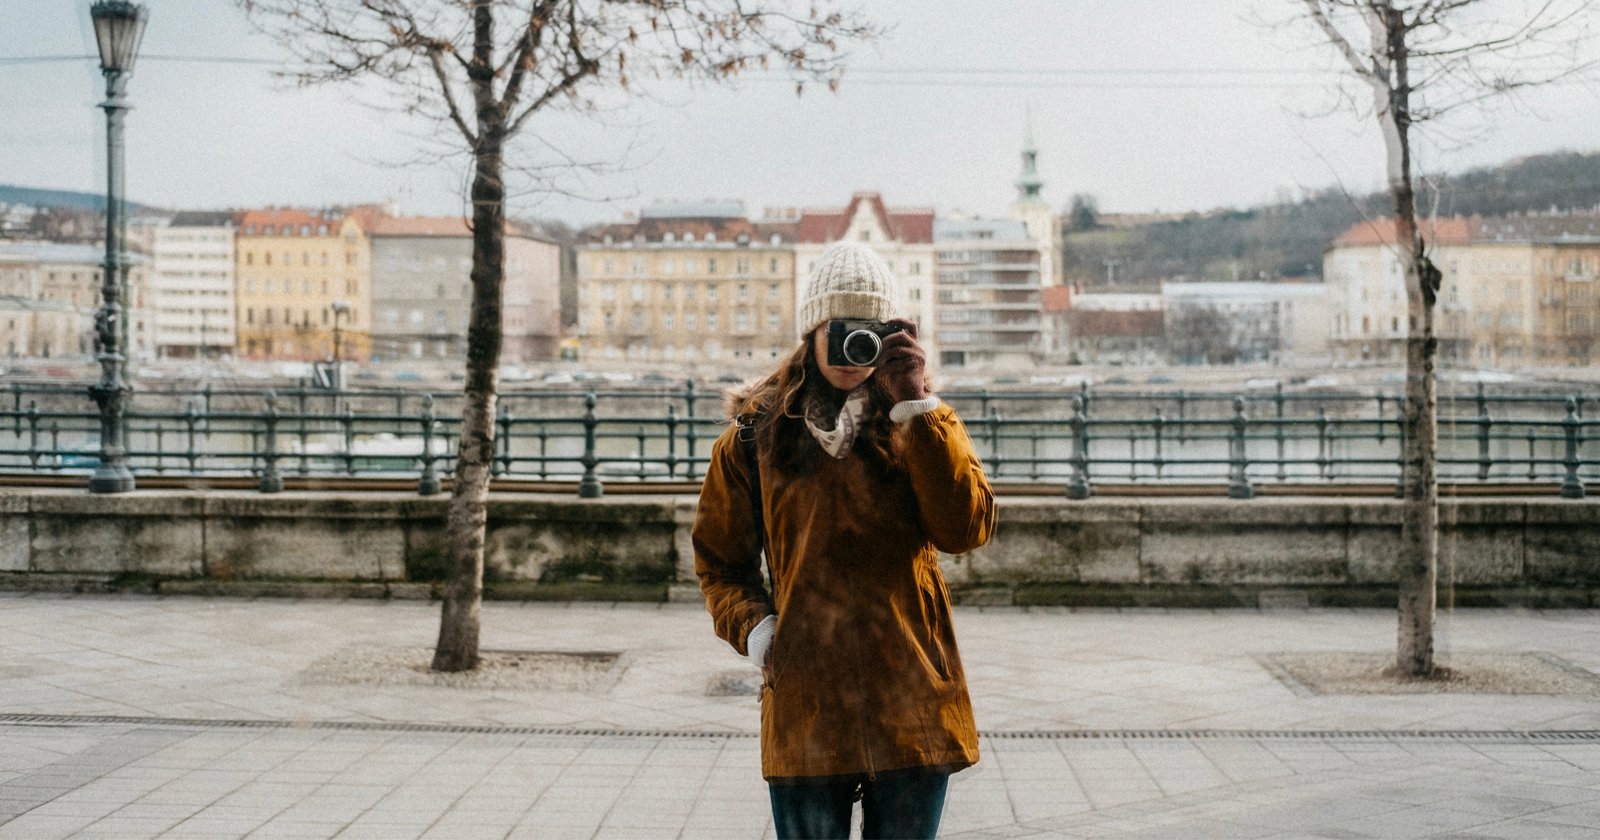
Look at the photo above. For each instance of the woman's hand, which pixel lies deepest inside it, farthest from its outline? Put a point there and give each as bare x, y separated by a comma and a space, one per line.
902, 363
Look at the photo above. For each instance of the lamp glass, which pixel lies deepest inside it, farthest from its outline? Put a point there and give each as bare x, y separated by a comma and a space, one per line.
118, 30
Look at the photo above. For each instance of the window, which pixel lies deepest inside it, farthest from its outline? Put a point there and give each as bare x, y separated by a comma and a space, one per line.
744, 292
688, 321
741, 265
266, 258
866, 236
608, 266
741, 322
668, 264
916, 267
666, 293
611, 322
772, 322
608, 292
772, 292
637, 266
637, 320
772, 266
711, 265
636, 293
667, 321
711, 292
711, 321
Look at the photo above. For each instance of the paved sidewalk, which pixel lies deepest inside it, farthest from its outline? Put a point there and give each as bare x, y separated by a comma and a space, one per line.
125, 717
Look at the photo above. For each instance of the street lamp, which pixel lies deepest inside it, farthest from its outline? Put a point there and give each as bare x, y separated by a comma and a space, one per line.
341, 309
118, 29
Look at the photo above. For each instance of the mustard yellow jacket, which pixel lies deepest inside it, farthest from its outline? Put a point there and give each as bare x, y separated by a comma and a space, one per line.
864, 674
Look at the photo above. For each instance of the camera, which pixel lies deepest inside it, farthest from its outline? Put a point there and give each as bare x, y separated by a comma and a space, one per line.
857, 343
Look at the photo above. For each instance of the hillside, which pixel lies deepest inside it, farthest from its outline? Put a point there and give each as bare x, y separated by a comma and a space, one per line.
1287, 240
64, 199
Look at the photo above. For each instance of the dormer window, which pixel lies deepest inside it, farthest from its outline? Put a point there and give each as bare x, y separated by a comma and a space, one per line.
776, 239
668, 237
608, 239
711, 236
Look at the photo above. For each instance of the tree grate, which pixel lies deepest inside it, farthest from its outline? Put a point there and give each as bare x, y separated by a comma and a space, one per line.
1516, 736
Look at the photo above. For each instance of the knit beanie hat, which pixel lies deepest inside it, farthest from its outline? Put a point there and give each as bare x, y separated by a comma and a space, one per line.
850, 281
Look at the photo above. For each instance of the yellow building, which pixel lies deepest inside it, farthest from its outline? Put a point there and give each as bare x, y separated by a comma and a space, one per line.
1518, 291
688, 284
303, 283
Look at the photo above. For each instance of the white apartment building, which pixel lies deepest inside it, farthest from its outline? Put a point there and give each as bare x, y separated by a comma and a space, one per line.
1279, 323
192, 285
987, 308
1366, 285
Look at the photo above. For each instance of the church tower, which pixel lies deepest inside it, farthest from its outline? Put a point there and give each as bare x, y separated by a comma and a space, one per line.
1030, 208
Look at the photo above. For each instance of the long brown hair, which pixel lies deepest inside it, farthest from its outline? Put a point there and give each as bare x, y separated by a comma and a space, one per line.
778, 400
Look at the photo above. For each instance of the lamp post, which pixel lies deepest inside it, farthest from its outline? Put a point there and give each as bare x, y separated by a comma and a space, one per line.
340, 309
118, 29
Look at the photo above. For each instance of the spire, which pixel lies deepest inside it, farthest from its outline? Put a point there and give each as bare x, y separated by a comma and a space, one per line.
1029, 185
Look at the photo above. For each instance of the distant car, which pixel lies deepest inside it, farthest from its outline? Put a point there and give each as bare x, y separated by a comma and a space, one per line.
729, 377
559, 377
407, 376
1159, 380
656, 378
1119, 380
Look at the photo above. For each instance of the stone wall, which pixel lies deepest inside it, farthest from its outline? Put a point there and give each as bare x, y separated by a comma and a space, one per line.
543, 542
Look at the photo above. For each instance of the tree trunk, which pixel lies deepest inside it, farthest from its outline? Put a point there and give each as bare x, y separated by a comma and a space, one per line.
1417, 568
464, 533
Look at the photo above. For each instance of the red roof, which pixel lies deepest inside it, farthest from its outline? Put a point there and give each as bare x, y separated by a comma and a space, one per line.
910, 225
694, 229
1454, 230
1142, 323
270, 222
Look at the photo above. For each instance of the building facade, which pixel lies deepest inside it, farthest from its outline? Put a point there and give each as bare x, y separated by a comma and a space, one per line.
303, 286
903, 236
1260, 322
987, 307
1106, 328
1516, 291
65, 278
192, 285
422, 290
688, 284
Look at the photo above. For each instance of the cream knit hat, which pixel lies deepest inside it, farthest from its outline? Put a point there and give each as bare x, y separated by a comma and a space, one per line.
850, 281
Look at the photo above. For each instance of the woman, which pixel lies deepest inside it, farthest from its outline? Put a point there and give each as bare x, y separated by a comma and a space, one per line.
863, 477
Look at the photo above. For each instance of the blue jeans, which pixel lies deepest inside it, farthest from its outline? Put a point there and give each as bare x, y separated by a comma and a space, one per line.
897, 804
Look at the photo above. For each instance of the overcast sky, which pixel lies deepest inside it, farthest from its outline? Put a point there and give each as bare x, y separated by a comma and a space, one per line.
1146, 104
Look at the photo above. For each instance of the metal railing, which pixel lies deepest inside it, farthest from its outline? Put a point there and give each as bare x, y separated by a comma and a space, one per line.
1081, 438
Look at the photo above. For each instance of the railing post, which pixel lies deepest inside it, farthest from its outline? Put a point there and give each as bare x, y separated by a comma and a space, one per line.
544, 451
191, 420
689, 432
1484, 422
1278, 398
503, 440
271, 482
642, 439
349, 420
1400, 422
428, 484
1183, 416
1571, 486
1324, 445
672, 441
303, 407
33, 433
590, 487
1078, 486
995, 457
1158, 425
1238, 478
1533, 455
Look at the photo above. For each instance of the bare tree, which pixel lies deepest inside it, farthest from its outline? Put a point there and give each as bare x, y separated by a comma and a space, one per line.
1422, 60
1200, 334
485, 71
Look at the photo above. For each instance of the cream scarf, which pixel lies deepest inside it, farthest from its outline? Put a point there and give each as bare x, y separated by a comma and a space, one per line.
839, 433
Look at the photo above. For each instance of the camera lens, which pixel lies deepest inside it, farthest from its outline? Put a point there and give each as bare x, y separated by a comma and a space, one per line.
861, 348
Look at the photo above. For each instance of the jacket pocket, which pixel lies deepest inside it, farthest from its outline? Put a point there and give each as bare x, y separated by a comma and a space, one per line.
933, 626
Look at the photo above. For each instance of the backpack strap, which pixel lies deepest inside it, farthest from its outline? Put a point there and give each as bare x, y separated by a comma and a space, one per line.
752, 465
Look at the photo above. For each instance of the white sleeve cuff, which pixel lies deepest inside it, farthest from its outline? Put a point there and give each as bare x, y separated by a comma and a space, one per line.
908, 409
759, 639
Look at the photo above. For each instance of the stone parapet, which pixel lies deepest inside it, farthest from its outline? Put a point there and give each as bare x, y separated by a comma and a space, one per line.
543, 545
